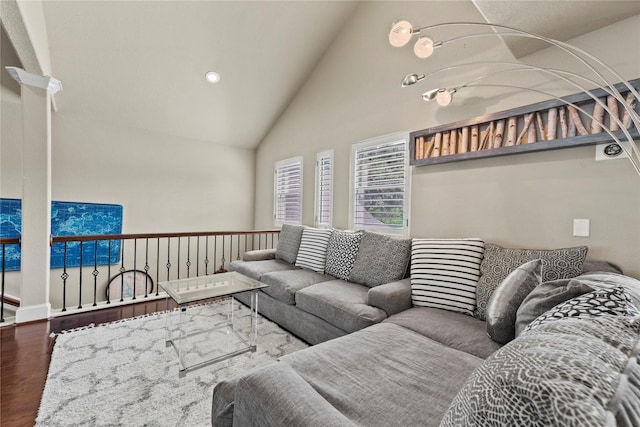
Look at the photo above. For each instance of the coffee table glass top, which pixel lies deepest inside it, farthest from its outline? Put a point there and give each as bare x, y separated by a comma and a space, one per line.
184, 291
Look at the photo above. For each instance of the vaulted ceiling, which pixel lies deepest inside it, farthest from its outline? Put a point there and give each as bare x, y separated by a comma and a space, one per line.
142, 63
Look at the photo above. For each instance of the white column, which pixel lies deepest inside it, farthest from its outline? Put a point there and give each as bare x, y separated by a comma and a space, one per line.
36, 194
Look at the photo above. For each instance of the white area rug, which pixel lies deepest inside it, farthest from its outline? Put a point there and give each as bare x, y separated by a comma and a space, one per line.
122, 374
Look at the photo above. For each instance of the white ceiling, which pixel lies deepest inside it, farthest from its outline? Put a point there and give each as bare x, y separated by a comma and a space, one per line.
558, 19
141, 64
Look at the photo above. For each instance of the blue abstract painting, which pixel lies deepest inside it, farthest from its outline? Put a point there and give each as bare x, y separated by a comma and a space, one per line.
67, 219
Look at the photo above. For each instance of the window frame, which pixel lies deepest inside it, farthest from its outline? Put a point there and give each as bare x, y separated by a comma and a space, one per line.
276, 167
327, 154
381, 141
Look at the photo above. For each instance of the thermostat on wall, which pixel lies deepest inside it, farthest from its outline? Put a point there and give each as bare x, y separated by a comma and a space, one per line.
610, 151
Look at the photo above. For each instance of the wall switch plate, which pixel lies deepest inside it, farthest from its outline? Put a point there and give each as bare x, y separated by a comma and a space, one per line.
581, 227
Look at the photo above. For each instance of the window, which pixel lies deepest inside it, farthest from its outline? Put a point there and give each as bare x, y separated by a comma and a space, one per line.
324, 189
380, 192
287, 205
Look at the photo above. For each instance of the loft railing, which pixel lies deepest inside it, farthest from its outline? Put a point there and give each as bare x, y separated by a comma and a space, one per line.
4, 299
109, 269
90, 272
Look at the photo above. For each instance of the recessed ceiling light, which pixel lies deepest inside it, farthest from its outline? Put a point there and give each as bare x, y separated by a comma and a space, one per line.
212, 77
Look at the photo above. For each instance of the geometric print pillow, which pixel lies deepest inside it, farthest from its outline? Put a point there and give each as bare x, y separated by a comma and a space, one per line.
313, 249
592, 304
445, 272
341, 253
576, 372
498, 262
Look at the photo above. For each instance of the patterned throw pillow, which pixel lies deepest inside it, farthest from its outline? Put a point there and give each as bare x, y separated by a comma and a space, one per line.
381, 259
445, 272
597, 303
571, 373
313, 249
289, 242
498, 262
341, 253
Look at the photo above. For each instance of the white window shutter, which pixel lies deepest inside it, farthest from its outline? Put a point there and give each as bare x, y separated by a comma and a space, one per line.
381, 185
288, 191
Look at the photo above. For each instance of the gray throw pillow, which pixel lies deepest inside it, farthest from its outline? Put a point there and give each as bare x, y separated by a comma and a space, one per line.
578, 372
289, 242
381, 259
546, 296
600, 302
498, 262
506, 299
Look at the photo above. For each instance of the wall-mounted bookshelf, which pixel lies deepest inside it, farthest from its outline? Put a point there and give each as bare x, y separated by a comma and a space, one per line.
547, 125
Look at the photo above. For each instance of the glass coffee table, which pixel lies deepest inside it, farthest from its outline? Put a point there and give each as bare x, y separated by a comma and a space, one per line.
205, 338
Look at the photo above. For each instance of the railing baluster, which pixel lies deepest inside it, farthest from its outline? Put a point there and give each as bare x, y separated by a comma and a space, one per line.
109, 271
64, 277
198, 256
122, 270
95, 273
80, 287
178, 258
158, 268
135, 265
168, 256
2, 290
188, 256
215, 253
146, 268
222, 260
238, 257
206, 256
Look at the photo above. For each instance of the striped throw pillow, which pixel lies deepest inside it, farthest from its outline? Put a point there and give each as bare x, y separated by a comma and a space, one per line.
313, 249
445, 272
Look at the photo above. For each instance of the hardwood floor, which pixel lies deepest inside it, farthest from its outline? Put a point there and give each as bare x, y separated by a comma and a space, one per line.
25, 352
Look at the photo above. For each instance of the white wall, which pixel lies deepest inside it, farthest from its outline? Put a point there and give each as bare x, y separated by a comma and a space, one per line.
165, 184
528, 200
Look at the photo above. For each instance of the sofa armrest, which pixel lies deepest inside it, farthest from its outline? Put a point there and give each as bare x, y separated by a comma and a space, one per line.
276, 395
392, 297
259, 255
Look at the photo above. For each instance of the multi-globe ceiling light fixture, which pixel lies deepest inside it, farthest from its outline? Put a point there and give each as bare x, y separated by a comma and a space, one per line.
402, 32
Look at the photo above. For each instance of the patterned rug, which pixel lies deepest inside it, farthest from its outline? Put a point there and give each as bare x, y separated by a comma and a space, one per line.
123, 374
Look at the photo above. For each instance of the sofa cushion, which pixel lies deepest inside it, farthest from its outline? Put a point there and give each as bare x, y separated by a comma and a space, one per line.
384, 375
455, 330
381, 259
341, 253
444, 273
341, 303
255, 269
498, 262
600, 302
259, 255
289, 242
283, 285
313, 249
506, 299
578, 372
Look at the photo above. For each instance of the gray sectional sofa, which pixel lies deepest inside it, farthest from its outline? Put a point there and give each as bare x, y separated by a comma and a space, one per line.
548, 338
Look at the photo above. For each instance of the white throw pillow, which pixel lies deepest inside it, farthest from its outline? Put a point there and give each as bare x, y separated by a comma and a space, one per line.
313, 249
445, 272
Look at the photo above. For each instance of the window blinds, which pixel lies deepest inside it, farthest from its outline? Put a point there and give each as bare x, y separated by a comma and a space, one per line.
324, 188
380, 186
288, 191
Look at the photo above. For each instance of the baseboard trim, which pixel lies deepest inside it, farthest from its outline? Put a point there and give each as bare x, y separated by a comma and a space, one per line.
33, 312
